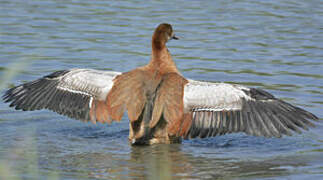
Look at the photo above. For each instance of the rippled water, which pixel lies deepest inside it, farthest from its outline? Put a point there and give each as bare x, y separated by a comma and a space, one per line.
274, 45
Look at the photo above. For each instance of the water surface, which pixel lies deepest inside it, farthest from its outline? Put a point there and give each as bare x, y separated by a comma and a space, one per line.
276, 46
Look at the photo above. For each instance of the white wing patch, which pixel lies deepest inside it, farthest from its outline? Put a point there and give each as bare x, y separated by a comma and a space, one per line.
207, 96
89, 82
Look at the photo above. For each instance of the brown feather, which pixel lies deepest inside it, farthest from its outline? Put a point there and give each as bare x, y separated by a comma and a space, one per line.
127, 93
99, 112
169, 102
186, 124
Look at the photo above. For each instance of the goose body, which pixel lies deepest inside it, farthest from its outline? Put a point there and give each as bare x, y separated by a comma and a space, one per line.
162, 106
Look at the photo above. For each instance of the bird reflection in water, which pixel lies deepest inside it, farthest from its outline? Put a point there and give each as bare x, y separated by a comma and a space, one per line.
176, 162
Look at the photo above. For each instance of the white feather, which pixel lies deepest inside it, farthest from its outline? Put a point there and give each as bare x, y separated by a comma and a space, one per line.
207, 96
89, 82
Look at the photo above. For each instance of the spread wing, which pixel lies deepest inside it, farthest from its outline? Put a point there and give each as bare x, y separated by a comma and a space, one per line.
76, 93
220, 108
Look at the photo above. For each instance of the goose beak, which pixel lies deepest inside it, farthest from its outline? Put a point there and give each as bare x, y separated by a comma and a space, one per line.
174, 37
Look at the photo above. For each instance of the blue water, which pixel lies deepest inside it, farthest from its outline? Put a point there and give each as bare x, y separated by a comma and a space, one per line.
274, 45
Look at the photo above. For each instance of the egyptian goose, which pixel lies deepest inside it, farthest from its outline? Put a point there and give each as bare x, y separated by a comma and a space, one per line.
162, 105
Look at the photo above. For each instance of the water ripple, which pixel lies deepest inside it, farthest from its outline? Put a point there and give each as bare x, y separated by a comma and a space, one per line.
273, 45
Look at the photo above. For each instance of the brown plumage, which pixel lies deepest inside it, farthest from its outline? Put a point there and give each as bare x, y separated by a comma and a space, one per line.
162, 106
157, 87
